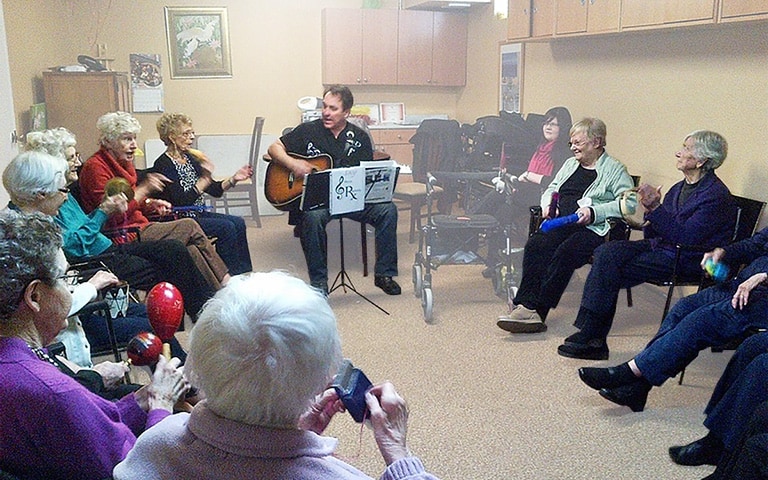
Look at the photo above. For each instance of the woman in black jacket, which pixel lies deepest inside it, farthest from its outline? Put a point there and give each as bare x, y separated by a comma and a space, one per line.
190, 172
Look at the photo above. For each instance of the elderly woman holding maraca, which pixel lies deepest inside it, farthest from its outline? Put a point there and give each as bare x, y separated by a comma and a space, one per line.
118, 132
142, 264
52, 426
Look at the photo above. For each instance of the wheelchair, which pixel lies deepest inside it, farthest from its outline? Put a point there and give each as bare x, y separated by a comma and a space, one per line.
458, 240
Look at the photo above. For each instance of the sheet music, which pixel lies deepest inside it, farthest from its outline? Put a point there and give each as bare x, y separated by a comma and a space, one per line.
347, 190
344, 190
380, 180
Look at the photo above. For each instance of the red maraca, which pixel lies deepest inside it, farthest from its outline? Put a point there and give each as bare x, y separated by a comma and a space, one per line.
144, 348
165, 308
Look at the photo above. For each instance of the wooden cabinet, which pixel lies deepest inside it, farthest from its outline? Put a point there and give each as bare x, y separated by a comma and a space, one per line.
738, 10
394, 47
395, 142
360, 46
519, 19
432, 48
647, 13
592, 16
77, 100
530, 18
542, 18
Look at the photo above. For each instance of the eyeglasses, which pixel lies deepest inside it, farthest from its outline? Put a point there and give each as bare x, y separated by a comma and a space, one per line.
75, 156
188, 134
64, 190
578, 143
551, 123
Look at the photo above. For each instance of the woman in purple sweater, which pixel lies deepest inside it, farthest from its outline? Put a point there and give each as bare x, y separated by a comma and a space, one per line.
52, 427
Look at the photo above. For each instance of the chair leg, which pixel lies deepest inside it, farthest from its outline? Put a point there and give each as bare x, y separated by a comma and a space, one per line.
415, 217
629, 297
364, 247
254, 207
669, 301
682, 374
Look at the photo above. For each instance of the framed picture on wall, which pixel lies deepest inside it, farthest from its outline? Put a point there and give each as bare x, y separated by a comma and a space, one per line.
511, 78
198, 42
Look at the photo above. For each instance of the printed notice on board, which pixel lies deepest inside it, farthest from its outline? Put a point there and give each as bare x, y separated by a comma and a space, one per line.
146, 82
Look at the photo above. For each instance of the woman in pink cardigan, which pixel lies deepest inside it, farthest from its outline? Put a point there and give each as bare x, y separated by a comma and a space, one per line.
263, 352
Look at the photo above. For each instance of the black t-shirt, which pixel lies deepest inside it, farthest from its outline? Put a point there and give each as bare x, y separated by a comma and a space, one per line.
573, 189
686, 191
310, 139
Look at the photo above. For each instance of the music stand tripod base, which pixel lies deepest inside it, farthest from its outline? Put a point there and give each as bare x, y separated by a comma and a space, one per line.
342, 279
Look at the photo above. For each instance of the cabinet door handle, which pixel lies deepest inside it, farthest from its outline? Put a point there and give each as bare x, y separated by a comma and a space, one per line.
358, 80
365, 80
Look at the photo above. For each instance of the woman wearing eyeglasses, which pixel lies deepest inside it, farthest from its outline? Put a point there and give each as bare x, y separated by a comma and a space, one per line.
35, 181
118, 132
191, 175
142, 264
588, 186
510, 206
52, 427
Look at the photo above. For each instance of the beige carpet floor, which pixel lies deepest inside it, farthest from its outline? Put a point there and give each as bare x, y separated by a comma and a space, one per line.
485, 404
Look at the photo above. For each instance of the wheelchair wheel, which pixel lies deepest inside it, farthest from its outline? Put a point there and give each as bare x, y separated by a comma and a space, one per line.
426, 304
417, 281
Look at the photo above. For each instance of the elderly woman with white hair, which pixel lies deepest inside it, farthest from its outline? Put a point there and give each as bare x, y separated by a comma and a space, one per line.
263, 352
118, 131
697, 210
142, 264
36, 183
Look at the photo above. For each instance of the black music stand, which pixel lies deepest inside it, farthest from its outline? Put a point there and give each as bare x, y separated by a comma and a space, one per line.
342, 279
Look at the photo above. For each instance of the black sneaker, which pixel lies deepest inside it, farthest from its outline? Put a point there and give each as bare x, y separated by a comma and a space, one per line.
388, 284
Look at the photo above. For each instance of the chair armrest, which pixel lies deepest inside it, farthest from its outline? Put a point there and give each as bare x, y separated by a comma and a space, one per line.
123, 235
535, 219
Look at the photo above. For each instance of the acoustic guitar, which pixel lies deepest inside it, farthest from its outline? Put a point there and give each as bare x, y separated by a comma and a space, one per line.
282, 189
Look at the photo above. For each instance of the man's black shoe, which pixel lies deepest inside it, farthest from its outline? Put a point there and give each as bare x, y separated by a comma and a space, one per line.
321, 286
704, 451
387, 284
592, 350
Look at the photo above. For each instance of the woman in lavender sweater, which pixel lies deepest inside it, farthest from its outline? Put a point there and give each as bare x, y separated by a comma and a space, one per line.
52, 427
263, 352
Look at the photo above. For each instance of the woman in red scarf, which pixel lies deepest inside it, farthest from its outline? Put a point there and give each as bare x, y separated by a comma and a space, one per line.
508, 209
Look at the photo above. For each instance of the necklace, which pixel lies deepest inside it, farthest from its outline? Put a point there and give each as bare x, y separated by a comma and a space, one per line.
43, 356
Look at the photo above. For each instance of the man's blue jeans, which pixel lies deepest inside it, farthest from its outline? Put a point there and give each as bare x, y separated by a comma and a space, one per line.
314, 241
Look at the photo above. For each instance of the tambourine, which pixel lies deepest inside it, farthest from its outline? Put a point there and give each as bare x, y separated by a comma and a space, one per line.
632, 210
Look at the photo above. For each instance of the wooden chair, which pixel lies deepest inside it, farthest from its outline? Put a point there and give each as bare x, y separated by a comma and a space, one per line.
244, 194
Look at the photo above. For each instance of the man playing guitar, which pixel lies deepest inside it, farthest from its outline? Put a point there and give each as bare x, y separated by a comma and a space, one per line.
347, 145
